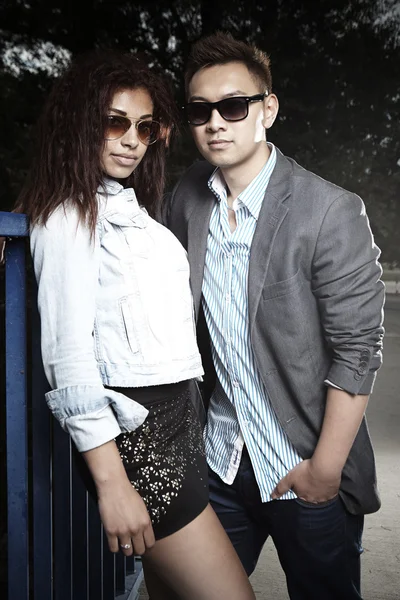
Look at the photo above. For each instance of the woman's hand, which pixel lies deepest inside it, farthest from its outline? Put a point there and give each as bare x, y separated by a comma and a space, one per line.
125, 518
123, 513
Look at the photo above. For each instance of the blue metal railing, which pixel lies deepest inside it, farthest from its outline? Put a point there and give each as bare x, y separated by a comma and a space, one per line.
56, 549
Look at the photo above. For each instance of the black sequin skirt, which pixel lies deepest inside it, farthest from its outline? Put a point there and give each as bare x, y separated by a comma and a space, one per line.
164, 458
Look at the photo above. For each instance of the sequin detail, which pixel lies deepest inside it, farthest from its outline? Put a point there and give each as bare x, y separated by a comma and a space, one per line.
160, 453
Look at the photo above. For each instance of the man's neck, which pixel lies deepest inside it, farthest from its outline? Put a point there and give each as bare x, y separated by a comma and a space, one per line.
239, 177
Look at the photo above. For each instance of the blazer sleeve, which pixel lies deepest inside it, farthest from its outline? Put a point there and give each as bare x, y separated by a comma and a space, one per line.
350, 294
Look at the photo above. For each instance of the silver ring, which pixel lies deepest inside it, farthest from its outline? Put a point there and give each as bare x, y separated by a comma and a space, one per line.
125, 546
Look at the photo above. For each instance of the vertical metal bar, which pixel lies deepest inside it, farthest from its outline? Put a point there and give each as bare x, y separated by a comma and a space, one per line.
108, 571
80, 576
120, 573
16, 421
95, 551
62, 534
130, 563
41, 469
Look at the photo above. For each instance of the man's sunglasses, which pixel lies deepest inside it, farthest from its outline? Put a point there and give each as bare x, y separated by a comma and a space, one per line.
230, 109
148, 131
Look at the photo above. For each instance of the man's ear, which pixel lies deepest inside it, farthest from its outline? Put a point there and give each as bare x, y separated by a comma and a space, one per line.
271, 107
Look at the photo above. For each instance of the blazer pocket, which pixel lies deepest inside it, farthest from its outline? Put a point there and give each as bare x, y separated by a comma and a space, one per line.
283, 288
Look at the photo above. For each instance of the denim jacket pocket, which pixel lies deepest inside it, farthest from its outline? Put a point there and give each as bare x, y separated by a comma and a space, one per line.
128, 325
134, 232
136, 218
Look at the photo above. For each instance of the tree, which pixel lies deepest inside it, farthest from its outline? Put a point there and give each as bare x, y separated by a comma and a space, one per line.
335, 65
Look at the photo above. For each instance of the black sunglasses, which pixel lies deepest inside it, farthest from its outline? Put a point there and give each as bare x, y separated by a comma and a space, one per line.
148, 131
230, 109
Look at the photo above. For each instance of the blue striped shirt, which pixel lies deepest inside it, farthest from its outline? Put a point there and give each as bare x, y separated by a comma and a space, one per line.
240, 411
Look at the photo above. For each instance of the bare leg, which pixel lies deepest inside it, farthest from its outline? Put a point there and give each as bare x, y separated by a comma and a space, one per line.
156, 588
197, 562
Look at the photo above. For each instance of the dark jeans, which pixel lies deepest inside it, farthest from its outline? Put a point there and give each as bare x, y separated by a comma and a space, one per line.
319, 546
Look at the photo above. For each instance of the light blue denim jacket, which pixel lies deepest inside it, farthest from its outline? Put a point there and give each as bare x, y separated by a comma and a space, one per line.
116, 309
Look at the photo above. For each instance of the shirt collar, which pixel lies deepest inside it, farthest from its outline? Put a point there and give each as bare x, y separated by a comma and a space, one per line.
253, 195
110, 187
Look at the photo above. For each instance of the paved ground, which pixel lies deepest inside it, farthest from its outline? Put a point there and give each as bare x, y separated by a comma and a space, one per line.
381, 559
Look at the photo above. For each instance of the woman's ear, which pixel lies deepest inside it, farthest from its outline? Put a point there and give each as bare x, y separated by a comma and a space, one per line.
166, 134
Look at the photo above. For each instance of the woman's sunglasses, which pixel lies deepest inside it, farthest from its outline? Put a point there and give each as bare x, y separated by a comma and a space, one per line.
148, 131
230, 109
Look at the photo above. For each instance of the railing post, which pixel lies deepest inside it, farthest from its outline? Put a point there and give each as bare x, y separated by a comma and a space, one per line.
42, 544
80, 545
96, 551
16, 421
62, 525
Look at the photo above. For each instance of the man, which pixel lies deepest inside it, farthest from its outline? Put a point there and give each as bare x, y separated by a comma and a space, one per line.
287, 293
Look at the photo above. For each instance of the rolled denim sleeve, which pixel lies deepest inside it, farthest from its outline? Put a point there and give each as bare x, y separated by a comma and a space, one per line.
66, 261
93, 415
350, 294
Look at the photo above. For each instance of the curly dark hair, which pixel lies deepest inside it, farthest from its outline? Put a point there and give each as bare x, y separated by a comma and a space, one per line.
70, 137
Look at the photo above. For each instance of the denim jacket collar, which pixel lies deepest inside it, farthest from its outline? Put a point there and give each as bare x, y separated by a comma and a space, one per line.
110, 187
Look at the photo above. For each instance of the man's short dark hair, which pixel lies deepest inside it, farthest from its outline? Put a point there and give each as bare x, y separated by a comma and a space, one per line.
222, 48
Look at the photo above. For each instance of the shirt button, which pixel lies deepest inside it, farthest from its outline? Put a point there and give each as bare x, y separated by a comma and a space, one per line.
235, 384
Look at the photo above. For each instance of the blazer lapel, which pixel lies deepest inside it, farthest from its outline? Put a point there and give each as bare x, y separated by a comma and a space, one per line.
197, 243
272, 214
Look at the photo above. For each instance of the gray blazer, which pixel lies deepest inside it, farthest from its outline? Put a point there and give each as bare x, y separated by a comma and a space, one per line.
315, 302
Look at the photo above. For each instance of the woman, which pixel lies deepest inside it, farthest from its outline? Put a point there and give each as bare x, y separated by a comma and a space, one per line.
118, 339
